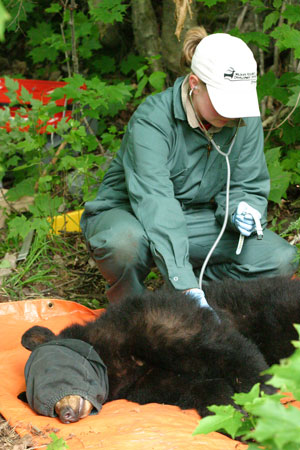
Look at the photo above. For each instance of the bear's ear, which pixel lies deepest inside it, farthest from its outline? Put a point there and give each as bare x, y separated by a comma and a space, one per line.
35, 336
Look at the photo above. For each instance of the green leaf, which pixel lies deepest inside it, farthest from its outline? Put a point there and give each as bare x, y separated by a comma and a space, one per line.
24, 187
280, 179
290, 134
258, 4
244, 398
19, 226
297, 343
289, 79
292, 13
276, 424
106, 64
4, 17
41, 53
258, 38
157, 80
67, 162
25, 95
19, 13
57, 443
211, 3
131, 63
293, 226
83, 26
270, 20
107, 11
13, 161
54, 8
44, 183
37, 36
268, 84
140, 73
44, 205
226, 418
5, 264
287, 38
151, 276
11, 85
41, 225
294, 98
141, 86
286, 375
95, 303
254, 447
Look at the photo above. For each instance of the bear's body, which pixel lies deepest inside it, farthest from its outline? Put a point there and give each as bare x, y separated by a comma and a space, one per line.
162, 347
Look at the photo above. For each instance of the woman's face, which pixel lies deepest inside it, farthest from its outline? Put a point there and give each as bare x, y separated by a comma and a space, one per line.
203, 105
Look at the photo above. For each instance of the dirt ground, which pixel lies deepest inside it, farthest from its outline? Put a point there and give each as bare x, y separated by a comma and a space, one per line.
10, 440
71, 274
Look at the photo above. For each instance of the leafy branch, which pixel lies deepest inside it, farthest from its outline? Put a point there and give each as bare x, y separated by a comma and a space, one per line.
267, 422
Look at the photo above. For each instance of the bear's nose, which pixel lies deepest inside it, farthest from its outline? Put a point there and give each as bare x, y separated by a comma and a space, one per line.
68, 415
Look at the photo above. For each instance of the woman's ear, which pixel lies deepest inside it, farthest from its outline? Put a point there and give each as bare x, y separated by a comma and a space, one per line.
193, 82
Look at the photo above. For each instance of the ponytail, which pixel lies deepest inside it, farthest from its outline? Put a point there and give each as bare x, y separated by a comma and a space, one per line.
191, 40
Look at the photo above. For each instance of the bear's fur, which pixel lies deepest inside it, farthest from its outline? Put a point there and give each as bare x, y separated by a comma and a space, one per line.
162, 347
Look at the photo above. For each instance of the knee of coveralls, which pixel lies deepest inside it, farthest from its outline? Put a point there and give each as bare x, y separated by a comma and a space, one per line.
118, 244
277, 257
269, 257
287, 259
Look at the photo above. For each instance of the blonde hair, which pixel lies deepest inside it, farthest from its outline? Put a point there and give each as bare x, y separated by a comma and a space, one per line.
191, 40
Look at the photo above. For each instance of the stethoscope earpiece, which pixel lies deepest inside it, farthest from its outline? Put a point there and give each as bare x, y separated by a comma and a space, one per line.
193, 89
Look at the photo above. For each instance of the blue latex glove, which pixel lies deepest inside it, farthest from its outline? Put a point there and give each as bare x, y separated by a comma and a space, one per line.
198, 294
246, 218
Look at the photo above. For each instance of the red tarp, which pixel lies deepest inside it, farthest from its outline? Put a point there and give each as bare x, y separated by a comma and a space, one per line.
40, 90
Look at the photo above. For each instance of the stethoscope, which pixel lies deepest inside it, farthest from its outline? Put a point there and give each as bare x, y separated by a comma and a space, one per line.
226, 155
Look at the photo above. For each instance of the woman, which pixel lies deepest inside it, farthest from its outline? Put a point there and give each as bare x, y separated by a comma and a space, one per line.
162, 200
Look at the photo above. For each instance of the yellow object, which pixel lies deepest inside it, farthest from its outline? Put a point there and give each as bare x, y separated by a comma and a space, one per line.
67, 222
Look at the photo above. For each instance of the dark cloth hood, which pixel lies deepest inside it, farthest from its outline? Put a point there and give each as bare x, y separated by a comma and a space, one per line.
64, 367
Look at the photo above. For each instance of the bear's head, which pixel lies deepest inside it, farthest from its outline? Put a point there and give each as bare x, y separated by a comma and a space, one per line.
64, 377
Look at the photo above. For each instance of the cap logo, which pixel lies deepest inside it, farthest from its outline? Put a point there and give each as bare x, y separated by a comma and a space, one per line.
232, 75
230, 72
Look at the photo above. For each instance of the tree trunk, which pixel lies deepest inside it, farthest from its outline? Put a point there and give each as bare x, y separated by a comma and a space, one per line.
145, 29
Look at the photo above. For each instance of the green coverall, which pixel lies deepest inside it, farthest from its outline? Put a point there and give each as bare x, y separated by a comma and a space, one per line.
162, 201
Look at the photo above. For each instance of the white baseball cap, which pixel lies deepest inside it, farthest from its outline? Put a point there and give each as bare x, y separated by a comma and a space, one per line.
228, 68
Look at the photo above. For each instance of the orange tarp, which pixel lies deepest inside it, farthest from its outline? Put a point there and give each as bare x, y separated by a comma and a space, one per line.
121, 425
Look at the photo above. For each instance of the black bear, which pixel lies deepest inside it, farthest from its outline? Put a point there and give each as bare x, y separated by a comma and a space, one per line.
162, 347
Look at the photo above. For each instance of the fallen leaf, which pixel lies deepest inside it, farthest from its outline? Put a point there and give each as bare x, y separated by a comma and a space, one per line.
7, 265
